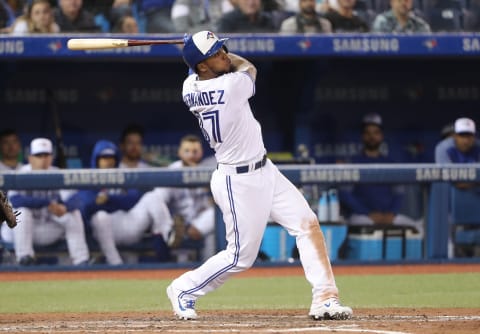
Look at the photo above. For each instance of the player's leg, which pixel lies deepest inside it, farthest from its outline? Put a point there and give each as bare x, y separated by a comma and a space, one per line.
291, 210
23, 235
406, 220
73, 226
152, 212
204, 223
102, 224
244, 200
358, 219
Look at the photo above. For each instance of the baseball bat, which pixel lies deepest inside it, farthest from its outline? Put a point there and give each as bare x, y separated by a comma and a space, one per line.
112, 43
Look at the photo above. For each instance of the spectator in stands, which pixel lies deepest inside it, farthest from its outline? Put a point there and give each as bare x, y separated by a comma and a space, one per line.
192, 15
374, 203
38, 19
307, 20
46, 218
105, 154
400, 19
158, 15
343, 18
72, 17
19, 7
472, 16
10, 150
131, 146
6, 16
126, 24
247, 17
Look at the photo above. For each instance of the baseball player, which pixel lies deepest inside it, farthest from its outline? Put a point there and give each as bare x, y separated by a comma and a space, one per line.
247, 186
45, 217
193, 205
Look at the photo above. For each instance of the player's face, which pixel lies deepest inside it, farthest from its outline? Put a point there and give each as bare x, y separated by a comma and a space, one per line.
132, 146
129, 25
372, 137
249, 7
71, 7
401, 7
106, 162
190, 153
307, 6
41, 15
464, 141
347, 4
10, 147
216, 65
40, 161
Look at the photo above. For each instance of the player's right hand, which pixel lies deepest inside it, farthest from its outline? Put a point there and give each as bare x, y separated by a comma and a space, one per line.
102, 198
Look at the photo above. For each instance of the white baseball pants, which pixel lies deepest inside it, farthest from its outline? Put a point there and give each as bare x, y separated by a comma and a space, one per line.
38, 227
247, 201
128, 227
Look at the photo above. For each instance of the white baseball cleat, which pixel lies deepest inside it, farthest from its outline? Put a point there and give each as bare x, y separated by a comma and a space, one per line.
183, 305
330, 309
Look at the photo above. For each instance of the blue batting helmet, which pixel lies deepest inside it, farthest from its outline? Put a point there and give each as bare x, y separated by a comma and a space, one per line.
200, 46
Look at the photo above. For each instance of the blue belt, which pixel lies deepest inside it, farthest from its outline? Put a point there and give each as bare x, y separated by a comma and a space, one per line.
258, 164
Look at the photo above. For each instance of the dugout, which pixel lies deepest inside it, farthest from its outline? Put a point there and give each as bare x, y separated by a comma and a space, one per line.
311, 90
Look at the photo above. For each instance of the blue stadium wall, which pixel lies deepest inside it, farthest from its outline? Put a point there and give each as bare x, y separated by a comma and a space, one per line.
312, 90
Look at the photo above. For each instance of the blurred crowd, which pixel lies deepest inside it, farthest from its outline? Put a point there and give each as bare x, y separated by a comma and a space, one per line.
238, 16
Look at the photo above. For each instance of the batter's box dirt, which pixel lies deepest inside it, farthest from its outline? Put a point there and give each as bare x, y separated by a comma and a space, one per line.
384, 321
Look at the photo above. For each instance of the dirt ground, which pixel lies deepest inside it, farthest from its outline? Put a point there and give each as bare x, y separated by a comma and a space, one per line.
382, 321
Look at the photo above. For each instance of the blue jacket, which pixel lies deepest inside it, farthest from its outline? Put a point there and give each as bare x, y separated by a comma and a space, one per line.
118, 199
366, 198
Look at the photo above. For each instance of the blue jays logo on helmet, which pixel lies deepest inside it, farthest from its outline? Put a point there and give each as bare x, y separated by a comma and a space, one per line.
201, 46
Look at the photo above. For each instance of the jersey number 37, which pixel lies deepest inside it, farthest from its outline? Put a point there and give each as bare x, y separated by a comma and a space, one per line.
210, 125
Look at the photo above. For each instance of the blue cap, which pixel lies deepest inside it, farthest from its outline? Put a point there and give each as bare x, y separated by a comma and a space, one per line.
201, 46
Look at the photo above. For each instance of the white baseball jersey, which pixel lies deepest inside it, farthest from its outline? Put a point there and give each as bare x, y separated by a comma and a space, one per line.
223, 112
4, 167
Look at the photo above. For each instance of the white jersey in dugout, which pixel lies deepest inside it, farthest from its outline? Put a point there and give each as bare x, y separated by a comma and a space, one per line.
224, 115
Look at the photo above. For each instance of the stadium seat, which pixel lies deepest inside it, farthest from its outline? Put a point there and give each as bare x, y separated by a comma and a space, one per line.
465, 218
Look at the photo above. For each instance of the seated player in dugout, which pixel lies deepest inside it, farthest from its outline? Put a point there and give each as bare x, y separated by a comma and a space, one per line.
45, 216
194, 205
370, 204
105, 154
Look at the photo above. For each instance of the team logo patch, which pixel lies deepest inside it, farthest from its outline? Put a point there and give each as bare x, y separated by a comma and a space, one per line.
210, 35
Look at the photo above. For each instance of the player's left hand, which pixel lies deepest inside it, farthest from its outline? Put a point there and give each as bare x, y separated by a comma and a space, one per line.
57, 209
6, 212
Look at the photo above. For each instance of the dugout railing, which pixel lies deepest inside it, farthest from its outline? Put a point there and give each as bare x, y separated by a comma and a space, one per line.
437, 178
